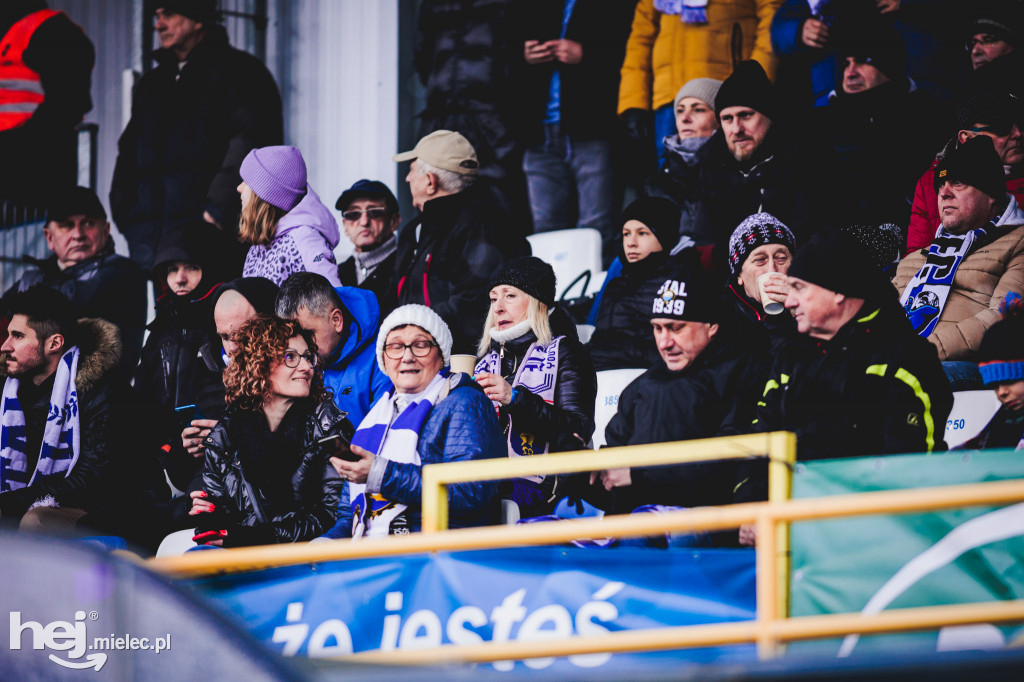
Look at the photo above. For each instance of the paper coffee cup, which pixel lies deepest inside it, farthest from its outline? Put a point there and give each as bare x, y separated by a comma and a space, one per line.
463, 363
770, 305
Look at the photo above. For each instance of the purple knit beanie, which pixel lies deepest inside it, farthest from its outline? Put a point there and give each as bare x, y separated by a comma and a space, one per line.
276, 174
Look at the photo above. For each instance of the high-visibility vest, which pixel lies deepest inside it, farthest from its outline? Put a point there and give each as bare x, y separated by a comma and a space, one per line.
21, 91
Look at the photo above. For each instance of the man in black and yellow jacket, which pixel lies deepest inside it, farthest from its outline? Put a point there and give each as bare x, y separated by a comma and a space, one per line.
869, 385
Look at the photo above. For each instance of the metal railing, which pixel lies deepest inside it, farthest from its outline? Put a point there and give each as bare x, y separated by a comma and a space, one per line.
769, 630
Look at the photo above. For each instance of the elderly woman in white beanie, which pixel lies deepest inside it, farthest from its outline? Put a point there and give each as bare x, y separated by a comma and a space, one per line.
431, 416
696, 122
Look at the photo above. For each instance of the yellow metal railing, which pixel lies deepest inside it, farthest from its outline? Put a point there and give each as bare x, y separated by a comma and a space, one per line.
769, 630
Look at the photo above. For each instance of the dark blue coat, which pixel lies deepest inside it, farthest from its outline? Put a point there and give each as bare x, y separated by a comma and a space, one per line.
461, 427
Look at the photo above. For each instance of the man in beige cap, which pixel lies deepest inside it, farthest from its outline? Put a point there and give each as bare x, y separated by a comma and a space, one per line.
447, 254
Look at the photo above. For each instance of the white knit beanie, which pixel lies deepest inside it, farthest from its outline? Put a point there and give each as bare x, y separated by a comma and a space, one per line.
424, 318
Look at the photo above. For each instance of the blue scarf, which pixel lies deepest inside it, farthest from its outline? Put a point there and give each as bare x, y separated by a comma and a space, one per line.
927, 291
61, 434
390, 430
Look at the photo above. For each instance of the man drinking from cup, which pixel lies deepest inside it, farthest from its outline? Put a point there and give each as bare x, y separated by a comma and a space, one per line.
760, 251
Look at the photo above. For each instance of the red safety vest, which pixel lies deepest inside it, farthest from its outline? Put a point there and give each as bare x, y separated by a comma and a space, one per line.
21, 91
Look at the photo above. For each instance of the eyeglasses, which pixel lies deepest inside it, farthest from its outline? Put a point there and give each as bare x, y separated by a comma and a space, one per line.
984, 39
354, 216
292, 357
421, 349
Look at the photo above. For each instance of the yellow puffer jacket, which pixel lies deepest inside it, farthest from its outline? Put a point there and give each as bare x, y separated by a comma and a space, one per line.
663, 53
979, 285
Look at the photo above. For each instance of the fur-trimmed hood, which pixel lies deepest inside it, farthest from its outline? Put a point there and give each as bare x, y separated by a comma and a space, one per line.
100, 344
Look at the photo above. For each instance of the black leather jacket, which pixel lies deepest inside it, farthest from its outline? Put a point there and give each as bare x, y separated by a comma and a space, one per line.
241, 505
575, 393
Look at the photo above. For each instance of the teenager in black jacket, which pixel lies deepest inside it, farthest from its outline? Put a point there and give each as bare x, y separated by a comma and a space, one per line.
622, 337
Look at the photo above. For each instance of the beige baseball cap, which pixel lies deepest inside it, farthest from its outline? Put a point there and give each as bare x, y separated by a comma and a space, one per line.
446, 150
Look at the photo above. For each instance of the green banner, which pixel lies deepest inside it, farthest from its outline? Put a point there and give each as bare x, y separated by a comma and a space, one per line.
875, 563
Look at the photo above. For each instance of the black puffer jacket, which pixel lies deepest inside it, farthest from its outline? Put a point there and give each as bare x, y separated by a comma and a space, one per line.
189, 131
464, 238
622, 335
114, 467
706, 399
107, 286
575, 393
462, 55
253, 506
889, 134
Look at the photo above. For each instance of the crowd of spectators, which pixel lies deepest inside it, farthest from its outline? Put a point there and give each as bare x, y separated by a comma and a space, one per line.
755, 278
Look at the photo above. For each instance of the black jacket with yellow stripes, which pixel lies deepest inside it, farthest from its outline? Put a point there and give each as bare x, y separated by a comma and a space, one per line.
875, 388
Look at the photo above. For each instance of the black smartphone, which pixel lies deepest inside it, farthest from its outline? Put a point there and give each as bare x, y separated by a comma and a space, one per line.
185, 414
337, 446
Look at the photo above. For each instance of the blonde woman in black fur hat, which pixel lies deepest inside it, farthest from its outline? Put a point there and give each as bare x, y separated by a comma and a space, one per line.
542, 384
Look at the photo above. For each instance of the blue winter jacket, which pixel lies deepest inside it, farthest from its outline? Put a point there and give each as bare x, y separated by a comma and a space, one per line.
352, 371
461, 427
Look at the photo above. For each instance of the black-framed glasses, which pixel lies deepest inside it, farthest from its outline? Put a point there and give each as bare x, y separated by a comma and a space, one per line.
355, 215
292, 357
421, 349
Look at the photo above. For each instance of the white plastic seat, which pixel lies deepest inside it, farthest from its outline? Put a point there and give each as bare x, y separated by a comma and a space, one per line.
570, 253
585, 331
610, 384
972, 411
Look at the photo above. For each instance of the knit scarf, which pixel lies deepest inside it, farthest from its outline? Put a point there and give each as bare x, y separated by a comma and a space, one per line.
538, 375
367, 261
61, 434
927, 292
690, 11
390, 430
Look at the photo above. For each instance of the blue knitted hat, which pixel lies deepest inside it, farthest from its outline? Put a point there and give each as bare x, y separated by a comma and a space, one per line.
1001, 354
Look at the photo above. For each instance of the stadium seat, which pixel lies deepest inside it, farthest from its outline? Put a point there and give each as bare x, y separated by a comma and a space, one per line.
972, 411
609, 385
569, 252
585, 331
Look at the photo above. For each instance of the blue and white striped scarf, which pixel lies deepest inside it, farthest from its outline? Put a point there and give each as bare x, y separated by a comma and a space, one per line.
61, 435
927, 292
538, 374
391, 432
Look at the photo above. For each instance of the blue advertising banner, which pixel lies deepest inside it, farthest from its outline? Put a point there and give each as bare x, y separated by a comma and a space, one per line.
525, 594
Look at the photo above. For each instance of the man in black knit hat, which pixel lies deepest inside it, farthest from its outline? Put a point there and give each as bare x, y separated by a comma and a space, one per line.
868, 386
755, 165
982, 111
952, 289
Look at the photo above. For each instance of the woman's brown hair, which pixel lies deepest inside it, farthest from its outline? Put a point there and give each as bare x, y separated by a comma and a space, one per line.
258, 221
262, 342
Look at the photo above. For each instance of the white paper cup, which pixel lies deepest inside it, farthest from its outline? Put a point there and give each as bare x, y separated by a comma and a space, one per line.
463, 363
770, 305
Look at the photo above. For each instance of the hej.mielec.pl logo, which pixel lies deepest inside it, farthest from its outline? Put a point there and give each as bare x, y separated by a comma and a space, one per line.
71, 637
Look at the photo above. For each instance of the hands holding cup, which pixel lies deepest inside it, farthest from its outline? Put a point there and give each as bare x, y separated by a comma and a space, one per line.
773, 288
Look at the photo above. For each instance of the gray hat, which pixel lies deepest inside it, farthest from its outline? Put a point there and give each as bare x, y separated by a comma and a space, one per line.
704, 89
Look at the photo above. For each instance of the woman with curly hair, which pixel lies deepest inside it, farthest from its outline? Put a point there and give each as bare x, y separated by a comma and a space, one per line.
267, 478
